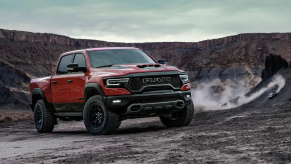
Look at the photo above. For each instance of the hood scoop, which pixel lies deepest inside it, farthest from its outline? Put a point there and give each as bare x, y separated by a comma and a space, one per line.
149, 66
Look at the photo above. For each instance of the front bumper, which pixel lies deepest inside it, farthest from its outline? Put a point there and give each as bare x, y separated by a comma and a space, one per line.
147, 103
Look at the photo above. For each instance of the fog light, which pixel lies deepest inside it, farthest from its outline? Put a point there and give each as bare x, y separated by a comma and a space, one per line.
116, 101
187, 97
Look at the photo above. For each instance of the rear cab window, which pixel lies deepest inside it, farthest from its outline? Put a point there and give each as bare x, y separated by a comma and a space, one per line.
65, 60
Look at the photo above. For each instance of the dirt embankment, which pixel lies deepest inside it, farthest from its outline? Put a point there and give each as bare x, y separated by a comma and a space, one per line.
18, 115
14, 106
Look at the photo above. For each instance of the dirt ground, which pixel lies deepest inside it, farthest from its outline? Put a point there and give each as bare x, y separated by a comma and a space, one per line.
241, 135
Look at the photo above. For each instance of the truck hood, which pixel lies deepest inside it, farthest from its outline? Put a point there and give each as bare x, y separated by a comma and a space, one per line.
124, 69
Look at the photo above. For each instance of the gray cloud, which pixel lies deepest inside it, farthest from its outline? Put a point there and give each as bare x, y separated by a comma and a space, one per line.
146, 21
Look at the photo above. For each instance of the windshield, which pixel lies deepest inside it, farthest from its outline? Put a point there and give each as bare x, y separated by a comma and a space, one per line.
118, 56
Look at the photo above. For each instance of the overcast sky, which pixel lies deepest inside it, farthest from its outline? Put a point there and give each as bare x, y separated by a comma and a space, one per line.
146, 20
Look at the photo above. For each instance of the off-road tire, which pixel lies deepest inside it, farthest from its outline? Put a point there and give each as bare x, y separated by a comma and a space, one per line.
48, 119
110, 122
183, 117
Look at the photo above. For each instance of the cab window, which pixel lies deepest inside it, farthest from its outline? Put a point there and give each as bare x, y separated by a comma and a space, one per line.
65, 60
80, 60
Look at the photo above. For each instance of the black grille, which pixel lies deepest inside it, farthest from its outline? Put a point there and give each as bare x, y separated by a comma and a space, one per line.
158, 88
154, 100
136, 83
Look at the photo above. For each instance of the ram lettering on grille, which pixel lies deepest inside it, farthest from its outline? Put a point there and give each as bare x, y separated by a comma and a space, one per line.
136, 83
156, 80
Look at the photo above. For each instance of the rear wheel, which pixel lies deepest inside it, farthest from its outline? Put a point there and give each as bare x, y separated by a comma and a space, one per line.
44, 119
97, 119
181, 118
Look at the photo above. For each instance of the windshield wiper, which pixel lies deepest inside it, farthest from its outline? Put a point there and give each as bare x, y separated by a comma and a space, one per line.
105, 66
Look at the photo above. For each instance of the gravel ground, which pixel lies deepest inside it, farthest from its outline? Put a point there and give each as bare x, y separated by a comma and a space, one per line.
241, 135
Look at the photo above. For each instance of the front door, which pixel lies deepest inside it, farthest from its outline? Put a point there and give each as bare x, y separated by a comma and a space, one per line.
76, 84
59, 86
68, 87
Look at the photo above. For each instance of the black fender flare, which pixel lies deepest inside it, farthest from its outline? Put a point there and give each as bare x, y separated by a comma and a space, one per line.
38, 91
96, 86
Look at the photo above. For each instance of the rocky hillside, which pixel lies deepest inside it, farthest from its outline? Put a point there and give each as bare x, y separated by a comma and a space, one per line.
239, 58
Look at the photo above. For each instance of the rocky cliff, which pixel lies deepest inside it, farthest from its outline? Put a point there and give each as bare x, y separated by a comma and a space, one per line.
24, 55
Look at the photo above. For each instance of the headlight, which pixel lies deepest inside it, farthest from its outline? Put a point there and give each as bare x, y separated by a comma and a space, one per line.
115, 82
184, 79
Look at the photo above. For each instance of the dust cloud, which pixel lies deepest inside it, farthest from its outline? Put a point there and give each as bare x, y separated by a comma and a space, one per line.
206, 98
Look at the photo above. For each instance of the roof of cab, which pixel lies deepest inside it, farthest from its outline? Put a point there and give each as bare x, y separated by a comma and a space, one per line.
96, 49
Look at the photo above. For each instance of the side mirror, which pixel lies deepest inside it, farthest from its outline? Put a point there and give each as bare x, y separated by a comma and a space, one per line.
162, 61
74, 67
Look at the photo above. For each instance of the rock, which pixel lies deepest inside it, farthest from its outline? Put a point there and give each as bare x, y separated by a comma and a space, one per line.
13, 99
7, 119
273, 64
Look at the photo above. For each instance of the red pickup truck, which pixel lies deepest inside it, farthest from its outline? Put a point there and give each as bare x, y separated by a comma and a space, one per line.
104, 86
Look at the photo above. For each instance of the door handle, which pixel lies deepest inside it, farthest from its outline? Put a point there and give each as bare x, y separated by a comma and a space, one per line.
69, 81
55, 82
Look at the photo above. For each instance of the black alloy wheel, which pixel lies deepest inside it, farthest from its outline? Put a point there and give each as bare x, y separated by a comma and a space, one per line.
38, 116
96, 116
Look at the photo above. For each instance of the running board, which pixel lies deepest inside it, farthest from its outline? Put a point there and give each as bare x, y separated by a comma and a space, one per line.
69, 114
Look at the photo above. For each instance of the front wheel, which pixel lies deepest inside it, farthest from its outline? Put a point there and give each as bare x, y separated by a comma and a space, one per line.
181, 118
97, 119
